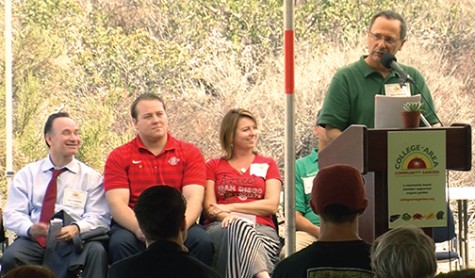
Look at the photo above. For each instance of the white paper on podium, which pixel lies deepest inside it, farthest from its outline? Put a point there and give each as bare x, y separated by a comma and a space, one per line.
387, 110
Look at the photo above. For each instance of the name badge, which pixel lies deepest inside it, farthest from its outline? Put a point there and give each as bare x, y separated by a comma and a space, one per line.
74, 198
308, 184
259, 169
395, 90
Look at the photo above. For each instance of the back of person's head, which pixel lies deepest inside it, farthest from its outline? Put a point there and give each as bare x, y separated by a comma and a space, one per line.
338, 193
29, 271
464, 273
404, 252
48, 128
160, 211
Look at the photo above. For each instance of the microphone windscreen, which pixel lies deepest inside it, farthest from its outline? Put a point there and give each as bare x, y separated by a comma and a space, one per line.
387, 59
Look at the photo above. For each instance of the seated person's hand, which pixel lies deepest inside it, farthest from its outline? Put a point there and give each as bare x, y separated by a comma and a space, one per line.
67, 233
216, 209
184, 248
228, 220
139, 234
38, 229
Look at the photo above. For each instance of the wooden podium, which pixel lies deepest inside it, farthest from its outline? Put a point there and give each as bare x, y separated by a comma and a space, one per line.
367, 150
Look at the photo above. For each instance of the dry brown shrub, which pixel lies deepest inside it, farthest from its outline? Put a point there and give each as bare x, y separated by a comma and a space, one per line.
222, 84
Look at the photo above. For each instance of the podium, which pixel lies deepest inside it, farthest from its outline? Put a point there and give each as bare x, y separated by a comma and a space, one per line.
367, 150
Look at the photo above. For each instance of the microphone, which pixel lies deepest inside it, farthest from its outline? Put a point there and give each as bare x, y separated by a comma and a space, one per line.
389, 61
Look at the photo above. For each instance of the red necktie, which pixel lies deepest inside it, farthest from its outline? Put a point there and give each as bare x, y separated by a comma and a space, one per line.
47, 210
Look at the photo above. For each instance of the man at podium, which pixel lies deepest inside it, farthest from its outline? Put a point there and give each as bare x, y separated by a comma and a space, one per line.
350, 97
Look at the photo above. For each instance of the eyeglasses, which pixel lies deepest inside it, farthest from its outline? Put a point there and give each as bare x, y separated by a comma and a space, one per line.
379, 37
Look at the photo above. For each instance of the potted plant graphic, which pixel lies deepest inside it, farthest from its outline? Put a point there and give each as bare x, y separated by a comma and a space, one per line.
411, 114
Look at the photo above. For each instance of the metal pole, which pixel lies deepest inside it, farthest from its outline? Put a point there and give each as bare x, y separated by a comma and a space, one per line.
8, 93
289, 186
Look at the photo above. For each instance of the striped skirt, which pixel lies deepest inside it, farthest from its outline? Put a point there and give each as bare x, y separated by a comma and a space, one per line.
241, 250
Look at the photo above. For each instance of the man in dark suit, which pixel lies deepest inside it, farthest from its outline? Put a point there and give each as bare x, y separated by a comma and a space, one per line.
160, 212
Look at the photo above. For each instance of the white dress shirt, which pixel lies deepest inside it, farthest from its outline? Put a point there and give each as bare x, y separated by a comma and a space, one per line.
80, 193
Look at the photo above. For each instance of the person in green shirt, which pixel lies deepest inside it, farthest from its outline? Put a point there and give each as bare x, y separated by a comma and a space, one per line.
350, 96
307, 223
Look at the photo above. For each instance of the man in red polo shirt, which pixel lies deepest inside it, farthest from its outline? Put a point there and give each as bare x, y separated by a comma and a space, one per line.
153, 157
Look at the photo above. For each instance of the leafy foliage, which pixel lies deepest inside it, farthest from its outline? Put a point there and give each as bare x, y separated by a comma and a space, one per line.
413, 107
93, 57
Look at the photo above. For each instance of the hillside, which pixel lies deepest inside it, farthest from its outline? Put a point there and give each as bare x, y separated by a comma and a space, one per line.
93, 57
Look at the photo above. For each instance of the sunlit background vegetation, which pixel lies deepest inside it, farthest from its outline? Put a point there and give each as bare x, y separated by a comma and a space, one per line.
93, 57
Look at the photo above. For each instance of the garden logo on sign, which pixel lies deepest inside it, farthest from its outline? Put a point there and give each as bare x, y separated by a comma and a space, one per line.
416, 160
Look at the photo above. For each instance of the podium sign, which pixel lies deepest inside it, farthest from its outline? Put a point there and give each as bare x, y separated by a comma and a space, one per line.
367, 150
416, 179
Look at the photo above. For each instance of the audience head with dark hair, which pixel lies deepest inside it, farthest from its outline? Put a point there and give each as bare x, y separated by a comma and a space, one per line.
404, 252
160, 211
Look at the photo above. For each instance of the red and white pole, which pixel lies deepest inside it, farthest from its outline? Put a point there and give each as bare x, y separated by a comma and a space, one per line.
289, 184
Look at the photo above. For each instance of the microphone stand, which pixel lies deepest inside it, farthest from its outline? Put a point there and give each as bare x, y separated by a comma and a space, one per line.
424, 120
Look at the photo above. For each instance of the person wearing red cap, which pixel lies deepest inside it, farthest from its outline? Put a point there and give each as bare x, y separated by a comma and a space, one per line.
338, 197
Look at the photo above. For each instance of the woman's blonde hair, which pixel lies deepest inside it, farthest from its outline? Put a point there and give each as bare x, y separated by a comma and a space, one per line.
228, 129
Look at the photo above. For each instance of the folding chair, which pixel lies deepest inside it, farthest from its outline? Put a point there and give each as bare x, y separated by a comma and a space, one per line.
3, 238
446, 241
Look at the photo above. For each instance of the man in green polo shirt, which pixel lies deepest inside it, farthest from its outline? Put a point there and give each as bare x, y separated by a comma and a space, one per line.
307, 223
350, 97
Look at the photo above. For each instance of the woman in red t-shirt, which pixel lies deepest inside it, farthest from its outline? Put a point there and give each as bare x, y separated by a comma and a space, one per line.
242, 195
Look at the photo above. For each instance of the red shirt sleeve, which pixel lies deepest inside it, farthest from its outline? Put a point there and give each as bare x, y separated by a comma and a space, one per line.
115, 171
273, 171
211, 169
